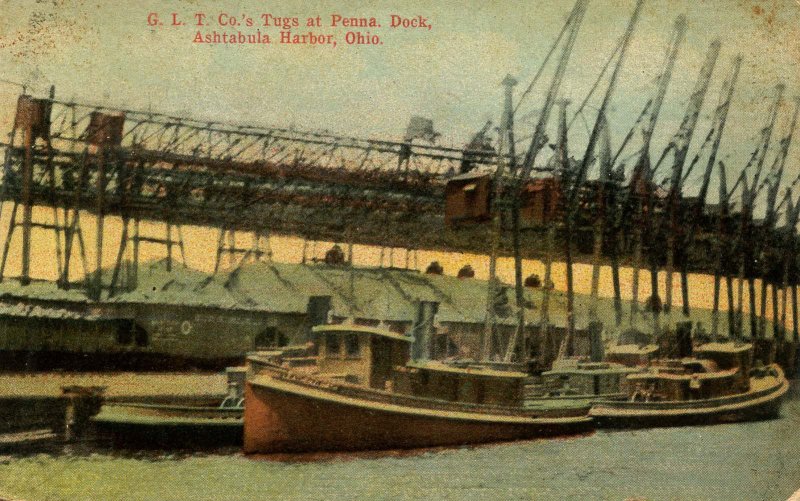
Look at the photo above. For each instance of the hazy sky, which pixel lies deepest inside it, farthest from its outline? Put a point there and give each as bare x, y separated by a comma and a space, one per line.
103, 51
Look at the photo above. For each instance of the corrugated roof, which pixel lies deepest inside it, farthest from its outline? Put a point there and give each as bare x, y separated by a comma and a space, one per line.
365, 293
48, 291
181, 285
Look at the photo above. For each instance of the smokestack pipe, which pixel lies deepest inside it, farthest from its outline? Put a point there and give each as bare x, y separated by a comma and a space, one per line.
424, 331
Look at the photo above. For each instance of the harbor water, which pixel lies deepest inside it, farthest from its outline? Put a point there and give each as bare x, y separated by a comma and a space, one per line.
747, 462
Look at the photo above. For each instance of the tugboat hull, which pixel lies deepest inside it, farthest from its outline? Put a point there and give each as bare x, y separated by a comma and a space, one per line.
764, 402
282, 416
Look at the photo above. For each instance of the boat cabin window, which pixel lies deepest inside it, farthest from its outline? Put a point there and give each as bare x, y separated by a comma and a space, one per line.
351, 346
332, 345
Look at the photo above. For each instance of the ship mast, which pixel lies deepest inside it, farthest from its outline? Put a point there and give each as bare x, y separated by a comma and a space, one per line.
562, 163
493, 287
602, 200
538, 141
577, 178
680, 147
641, 182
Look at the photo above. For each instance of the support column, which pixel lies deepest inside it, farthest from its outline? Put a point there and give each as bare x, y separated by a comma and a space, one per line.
169, 247
27, 207
795, 327
100, 187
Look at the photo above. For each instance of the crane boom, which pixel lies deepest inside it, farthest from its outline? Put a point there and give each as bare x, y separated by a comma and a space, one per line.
717, 129
778, 166
681, 142
684, 135
539, 139
598, 125
766, 136
642, 171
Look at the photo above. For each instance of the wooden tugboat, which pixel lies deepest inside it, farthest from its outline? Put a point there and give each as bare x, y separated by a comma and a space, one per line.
582, 379
362, 392
718, 385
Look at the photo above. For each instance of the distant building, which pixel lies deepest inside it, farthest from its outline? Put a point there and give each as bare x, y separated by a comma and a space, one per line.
208, 319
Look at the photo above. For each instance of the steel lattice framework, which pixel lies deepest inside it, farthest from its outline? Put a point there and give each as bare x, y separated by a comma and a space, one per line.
146, 165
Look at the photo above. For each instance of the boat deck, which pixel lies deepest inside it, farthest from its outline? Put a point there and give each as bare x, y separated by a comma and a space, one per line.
324, 388
761, 401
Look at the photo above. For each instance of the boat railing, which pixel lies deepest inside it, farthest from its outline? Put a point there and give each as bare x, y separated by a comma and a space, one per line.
232, 403
689, 404
386, 397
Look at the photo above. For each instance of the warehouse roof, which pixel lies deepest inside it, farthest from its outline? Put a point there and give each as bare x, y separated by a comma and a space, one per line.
387, 294
36, 311
367, 293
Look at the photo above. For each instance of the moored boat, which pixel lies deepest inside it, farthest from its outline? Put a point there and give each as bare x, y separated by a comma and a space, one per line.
208, 422
364, 393
157, 425
718, 386
575, 379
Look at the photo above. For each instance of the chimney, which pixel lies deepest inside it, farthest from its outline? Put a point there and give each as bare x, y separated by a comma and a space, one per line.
596, 352
683, 333
317, 312
424, 331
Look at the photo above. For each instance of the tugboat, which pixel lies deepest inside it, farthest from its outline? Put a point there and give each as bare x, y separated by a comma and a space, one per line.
361, 390
716, 385
578, 379
582, 379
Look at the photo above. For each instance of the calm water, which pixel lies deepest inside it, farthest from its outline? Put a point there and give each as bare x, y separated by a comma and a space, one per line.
749, 462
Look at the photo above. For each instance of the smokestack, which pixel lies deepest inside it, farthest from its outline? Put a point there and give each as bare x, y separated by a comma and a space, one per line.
424, 331
596, 352
683, 332
317, 312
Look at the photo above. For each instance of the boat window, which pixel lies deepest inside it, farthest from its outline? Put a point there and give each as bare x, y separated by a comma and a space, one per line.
332, 347
352, 349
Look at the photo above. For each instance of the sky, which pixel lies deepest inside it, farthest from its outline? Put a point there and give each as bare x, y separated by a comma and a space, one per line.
105, 52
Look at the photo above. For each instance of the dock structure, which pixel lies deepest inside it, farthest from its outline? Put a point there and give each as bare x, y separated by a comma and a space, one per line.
188, 318
44, 411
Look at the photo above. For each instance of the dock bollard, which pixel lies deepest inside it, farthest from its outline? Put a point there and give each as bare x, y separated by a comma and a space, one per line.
83, 402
